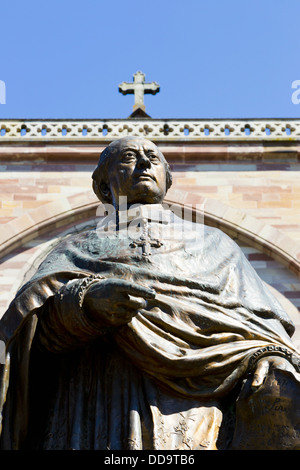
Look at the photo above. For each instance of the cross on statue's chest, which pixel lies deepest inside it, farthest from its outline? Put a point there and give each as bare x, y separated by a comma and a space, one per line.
139, 88
146, 242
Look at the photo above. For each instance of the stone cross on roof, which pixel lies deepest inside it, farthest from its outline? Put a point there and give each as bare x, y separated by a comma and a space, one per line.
139, 88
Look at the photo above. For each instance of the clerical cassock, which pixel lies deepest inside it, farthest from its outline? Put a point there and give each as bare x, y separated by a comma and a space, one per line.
169, 378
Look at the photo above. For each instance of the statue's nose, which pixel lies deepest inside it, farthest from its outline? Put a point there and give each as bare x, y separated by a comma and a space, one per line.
143, 162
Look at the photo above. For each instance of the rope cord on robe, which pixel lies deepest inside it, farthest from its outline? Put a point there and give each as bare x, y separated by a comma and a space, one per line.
274, 350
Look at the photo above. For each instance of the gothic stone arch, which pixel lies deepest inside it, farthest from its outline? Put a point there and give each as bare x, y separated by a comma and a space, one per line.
27, 240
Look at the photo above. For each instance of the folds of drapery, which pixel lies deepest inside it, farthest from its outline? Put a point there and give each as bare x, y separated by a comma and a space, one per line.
210, 314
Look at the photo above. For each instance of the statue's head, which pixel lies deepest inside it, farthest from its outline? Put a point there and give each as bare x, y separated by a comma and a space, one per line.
133, 167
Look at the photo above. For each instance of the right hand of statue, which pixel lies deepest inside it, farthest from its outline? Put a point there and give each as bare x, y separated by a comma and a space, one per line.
113, 302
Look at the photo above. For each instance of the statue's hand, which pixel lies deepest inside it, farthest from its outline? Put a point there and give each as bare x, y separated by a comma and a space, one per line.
268, 363
113, 302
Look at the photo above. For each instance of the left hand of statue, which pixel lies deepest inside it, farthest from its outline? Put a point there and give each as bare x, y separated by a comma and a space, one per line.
266, 364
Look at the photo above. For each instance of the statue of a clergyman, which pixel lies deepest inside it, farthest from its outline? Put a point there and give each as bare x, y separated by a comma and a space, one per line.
147, 343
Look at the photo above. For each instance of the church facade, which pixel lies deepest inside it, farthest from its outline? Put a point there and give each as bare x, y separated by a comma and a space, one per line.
242, 176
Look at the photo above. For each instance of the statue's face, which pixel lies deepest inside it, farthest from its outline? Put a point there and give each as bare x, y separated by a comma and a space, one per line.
136, 170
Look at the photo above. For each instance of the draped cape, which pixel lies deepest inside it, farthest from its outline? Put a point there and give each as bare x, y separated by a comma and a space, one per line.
194, 340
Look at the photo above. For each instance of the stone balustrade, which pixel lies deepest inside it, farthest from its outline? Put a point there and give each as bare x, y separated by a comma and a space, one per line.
187, 130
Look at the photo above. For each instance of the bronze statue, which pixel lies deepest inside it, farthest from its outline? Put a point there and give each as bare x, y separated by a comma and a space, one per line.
141, 340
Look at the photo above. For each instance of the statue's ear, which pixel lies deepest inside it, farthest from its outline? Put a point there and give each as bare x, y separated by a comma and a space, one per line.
104, 191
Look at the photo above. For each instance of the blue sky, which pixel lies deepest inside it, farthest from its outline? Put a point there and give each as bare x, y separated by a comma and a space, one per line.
212, 59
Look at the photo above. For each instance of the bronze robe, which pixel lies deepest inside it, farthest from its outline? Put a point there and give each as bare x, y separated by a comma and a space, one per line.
166, 380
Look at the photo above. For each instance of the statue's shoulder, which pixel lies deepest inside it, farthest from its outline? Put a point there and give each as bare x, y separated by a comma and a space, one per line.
70, 247
215, 232
66, 254
221, 239
77, 239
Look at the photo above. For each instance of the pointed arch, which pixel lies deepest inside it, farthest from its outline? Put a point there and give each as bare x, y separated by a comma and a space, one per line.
235, 222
